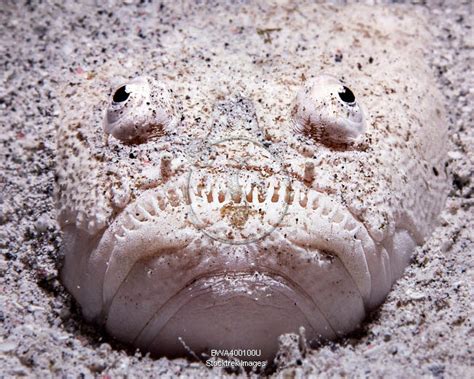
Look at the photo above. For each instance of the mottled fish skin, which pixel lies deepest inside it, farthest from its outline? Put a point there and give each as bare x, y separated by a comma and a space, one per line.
336, 115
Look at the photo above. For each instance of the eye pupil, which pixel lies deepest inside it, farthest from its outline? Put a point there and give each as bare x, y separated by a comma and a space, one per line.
120, 95
347, 96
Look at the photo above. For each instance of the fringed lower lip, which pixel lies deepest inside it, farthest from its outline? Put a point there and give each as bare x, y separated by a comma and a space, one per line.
163, 222
145, 260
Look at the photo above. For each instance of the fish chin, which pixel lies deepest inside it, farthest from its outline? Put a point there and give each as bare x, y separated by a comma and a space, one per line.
231, 311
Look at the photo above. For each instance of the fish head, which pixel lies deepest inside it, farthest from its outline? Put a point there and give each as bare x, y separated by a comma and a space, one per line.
218, 205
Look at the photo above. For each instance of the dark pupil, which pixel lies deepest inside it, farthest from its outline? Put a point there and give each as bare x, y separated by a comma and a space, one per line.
120, 95
347, 96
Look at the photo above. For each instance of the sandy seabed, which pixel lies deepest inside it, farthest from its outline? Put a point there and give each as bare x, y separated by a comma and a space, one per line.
424, 329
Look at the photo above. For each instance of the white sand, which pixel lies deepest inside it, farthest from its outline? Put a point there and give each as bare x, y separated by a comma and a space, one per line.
423, 329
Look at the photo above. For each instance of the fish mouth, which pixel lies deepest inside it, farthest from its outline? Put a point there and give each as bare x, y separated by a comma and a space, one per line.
230, 257
156, 281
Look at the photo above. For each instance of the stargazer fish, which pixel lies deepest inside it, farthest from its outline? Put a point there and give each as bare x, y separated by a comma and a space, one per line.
261, 168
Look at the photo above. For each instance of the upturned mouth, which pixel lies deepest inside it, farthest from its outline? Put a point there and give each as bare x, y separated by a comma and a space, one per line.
165, 284
230, 256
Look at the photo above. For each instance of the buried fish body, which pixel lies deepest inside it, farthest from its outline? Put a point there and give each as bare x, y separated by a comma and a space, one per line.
230, 185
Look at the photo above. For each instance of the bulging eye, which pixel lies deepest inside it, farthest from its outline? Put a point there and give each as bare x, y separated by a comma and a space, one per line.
347, 96
139, 110
328, 111
121, 95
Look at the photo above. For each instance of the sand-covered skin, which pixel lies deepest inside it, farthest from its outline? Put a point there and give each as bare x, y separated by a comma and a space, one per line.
424, 327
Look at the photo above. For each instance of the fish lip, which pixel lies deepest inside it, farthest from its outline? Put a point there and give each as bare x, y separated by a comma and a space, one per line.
122, 232
262, 255
279, 282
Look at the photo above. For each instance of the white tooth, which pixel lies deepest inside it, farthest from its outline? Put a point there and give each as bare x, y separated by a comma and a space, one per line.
161, 200
194, 189
144, 211
275, 195
207, 189
313, 199
236, 193
182, 194
209, 197
285, 194
173, 197
185, 194
324, 208
303, 199
215, 194
147, 215
208, 185
333, 210
119, 238
131, 222
340, 218
296, 196
228, 195
254, 195
221, 196
154, 205
233, 187
193, 195
263, 193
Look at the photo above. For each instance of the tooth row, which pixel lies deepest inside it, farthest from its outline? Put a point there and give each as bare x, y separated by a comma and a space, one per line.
250, 193
219, 193
150, 208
